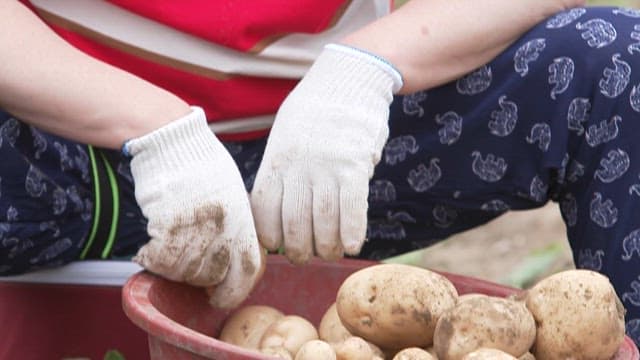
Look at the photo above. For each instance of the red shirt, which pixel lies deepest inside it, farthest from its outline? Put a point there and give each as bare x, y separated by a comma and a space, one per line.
237, 59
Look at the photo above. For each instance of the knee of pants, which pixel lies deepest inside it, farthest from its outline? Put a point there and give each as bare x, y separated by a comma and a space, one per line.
46, 199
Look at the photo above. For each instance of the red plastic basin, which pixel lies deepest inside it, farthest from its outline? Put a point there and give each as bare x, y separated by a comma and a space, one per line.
181, 325
58, 321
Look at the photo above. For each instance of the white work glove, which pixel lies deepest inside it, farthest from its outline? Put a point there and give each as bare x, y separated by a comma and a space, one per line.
310, 192
200, 222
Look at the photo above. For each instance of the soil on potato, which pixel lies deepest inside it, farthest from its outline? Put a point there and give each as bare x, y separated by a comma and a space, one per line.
505, 247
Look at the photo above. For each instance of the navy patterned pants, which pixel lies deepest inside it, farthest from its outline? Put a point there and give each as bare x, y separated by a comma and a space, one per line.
555, 117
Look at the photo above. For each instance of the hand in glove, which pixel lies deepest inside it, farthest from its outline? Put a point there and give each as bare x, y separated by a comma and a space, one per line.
310, 193
200, 221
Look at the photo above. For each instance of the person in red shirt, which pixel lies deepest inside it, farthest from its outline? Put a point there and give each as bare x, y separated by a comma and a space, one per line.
357, 130
189, 194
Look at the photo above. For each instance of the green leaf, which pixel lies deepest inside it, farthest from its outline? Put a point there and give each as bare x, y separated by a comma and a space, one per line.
113, 355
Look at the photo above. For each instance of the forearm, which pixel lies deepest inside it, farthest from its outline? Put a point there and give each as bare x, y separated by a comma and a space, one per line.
435, 41
49, 84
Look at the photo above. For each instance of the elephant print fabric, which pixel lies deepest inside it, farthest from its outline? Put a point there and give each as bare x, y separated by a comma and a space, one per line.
553, 118
47, 200
38, 208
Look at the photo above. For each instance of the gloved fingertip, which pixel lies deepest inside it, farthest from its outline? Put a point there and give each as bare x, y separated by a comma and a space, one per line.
244, 274
353, 247
263, 264
230, 296
298, 258
143, 259
138, 259
269, 244
332, 257
329, 251
224, 296
267, 224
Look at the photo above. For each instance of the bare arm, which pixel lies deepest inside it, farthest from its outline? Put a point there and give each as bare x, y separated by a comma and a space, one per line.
435, 41
48, 83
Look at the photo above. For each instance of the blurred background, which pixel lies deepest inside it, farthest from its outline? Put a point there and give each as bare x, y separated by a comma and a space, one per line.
517, 249
630, 3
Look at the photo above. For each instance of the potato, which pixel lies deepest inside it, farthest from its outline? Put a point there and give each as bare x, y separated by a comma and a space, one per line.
431, 350
484, 321
394, 306
413, 353
488, 354
246, 326
331, 329
289, 332
277, 352
578, 316
468, 296
353, 348
316, 350
527, 356
376, 350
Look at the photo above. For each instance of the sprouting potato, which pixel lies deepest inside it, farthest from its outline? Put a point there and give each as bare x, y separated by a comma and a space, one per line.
578, 316
394, 306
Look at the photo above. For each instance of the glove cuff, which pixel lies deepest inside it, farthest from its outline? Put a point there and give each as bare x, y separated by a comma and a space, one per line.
181, 141
373, 59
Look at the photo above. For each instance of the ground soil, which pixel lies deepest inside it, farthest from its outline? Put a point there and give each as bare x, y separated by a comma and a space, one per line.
499, 249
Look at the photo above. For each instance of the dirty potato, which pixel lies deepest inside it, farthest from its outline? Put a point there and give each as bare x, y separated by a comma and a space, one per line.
277, 352
527, 356
330, 328
289, 332
484, 321
246, 326
394, 306
413, 353
353, 348
578, 315
488, 354
468, 296
316, 350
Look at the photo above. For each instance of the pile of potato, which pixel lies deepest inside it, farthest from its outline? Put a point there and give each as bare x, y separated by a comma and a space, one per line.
402, 312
